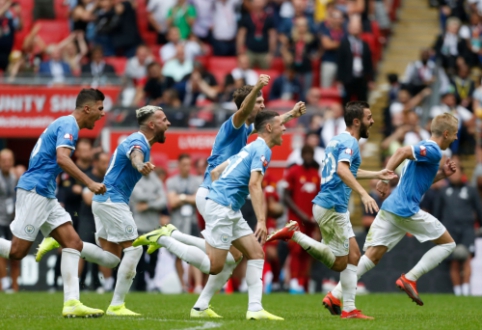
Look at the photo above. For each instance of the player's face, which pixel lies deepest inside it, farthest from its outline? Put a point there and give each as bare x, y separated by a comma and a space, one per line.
277, 130
450, 136
95, 112
366, 123
161, 124
258, 106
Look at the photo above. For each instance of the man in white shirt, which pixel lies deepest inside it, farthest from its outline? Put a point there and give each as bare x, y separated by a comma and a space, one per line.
136, 67
243, 71
168, 51
157, 15
225, 27
178, 67
334, 123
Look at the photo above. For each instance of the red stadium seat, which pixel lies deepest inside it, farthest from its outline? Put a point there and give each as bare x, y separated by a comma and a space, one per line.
119, 64
53, 31
330, 94
62, 10
327, 103
155, 51
281, 104
220, 76
315, 68
222, 63
372, 43
278, 64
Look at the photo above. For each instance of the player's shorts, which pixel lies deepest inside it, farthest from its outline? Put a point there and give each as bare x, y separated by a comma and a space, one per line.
223, 225
201, 200
5, 233
34, 213
388, 229
114, 222
336, 229
463, 235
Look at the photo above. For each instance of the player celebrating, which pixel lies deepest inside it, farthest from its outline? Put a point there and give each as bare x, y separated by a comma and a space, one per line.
339, 249
37, 209
400, 212
233, 180
114, 223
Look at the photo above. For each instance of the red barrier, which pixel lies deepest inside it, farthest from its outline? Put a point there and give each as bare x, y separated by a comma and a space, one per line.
25, 112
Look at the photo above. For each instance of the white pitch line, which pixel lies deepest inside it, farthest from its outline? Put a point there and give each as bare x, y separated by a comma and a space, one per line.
207, 325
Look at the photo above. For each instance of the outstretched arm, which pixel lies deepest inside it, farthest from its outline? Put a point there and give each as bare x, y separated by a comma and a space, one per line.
298, 110
247, 106
382, 175
137, 160
398, 157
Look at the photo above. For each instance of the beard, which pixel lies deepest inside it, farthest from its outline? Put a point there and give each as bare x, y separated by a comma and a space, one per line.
161, 137
364, 133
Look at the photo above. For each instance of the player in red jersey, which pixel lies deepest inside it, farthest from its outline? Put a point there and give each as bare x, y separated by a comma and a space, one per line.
303, 184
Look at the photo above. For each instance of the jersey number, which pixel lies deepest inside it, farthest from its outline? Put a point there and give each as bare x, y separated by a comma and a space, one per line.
242, 155
330, 165
36, 148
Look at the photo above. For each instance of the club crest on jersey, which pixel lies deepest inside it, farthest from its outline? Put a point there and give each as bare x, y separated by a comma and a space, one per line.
129, 229
348, 151
264, 161
69, 136
423, 151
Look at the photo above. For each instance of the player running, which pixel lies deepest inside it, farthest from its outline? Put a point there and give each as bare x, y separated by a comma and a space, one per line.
339, 250
114, 223
233, 180
37, 209
400, 212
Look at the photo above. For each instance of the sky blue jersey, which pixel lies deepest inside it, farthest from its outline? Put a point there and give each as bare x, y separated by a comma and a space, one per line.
231, 189
416, 178
228, 142
42, 167
121, 177
334, 193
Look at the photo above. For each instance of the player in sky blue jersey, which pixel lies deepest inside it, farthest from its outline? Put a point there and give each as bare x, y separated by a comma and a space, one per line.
115, 226
339, 249
400, 212
233, 180
37, 209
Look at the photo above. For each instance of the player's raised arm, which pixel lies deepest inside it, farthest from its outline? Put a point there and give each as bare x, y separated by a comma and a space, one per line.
216, 173
137, 160
247, 106
257, 199
66, 164
347, 177
398, 157
298, 110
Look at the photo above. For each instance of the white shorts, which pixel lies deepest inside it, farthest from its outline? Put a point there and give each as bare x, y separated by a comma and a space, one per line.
114, 222
201, 200
223, 225
336, 229
388, 229
34, 212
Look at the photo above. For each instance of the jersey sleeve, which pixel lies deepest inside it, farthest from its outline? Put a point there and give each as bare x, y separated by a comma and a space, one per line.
137, 144
67, 135
260, 160
426, 152
347, 151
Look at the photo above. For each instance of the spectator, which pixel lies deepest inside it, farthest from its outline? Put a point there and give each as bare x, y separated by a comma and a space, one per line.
303, 184
332, 33
244, 72
394, 87
104, 24
8, 181
181, 197
182, 15
204, 19
86, 227
472, 34
11, 21
257, 35
147, 202
449, 46
334, 123
415, 133
287, 86
300, 8
405, 103
454, 198
155, 86
420, 74
70, 54
179, 67
55, 68
136, 68
168, 51
171, 100
82, 15
300, 49
463, 86
97, 68
355, 58
199, 86
224, 28
125, 35
312, 139
313, 97
451, 8
157, 16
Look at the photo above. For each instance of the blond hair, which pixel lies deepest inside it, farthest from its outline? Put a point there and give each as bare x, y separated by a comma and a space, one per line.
444, 122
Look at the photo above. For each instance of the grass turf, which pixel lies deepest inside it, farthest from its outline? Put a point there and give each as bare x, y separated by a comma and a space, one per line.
391, 311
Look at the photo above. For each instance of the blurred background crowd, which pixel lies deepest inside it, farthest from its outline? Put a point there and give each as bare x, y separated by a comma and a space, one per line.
189, 56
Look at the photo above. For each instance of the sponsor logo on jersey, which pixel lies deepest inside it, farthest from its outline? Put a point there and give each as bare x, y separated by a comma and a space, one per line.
69, 136
137, 147
264, 161
423, 151
348, 151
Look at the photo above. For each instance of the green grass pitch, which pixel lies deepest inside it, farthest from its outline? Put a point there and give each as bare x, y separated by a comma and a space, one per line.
392, 311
